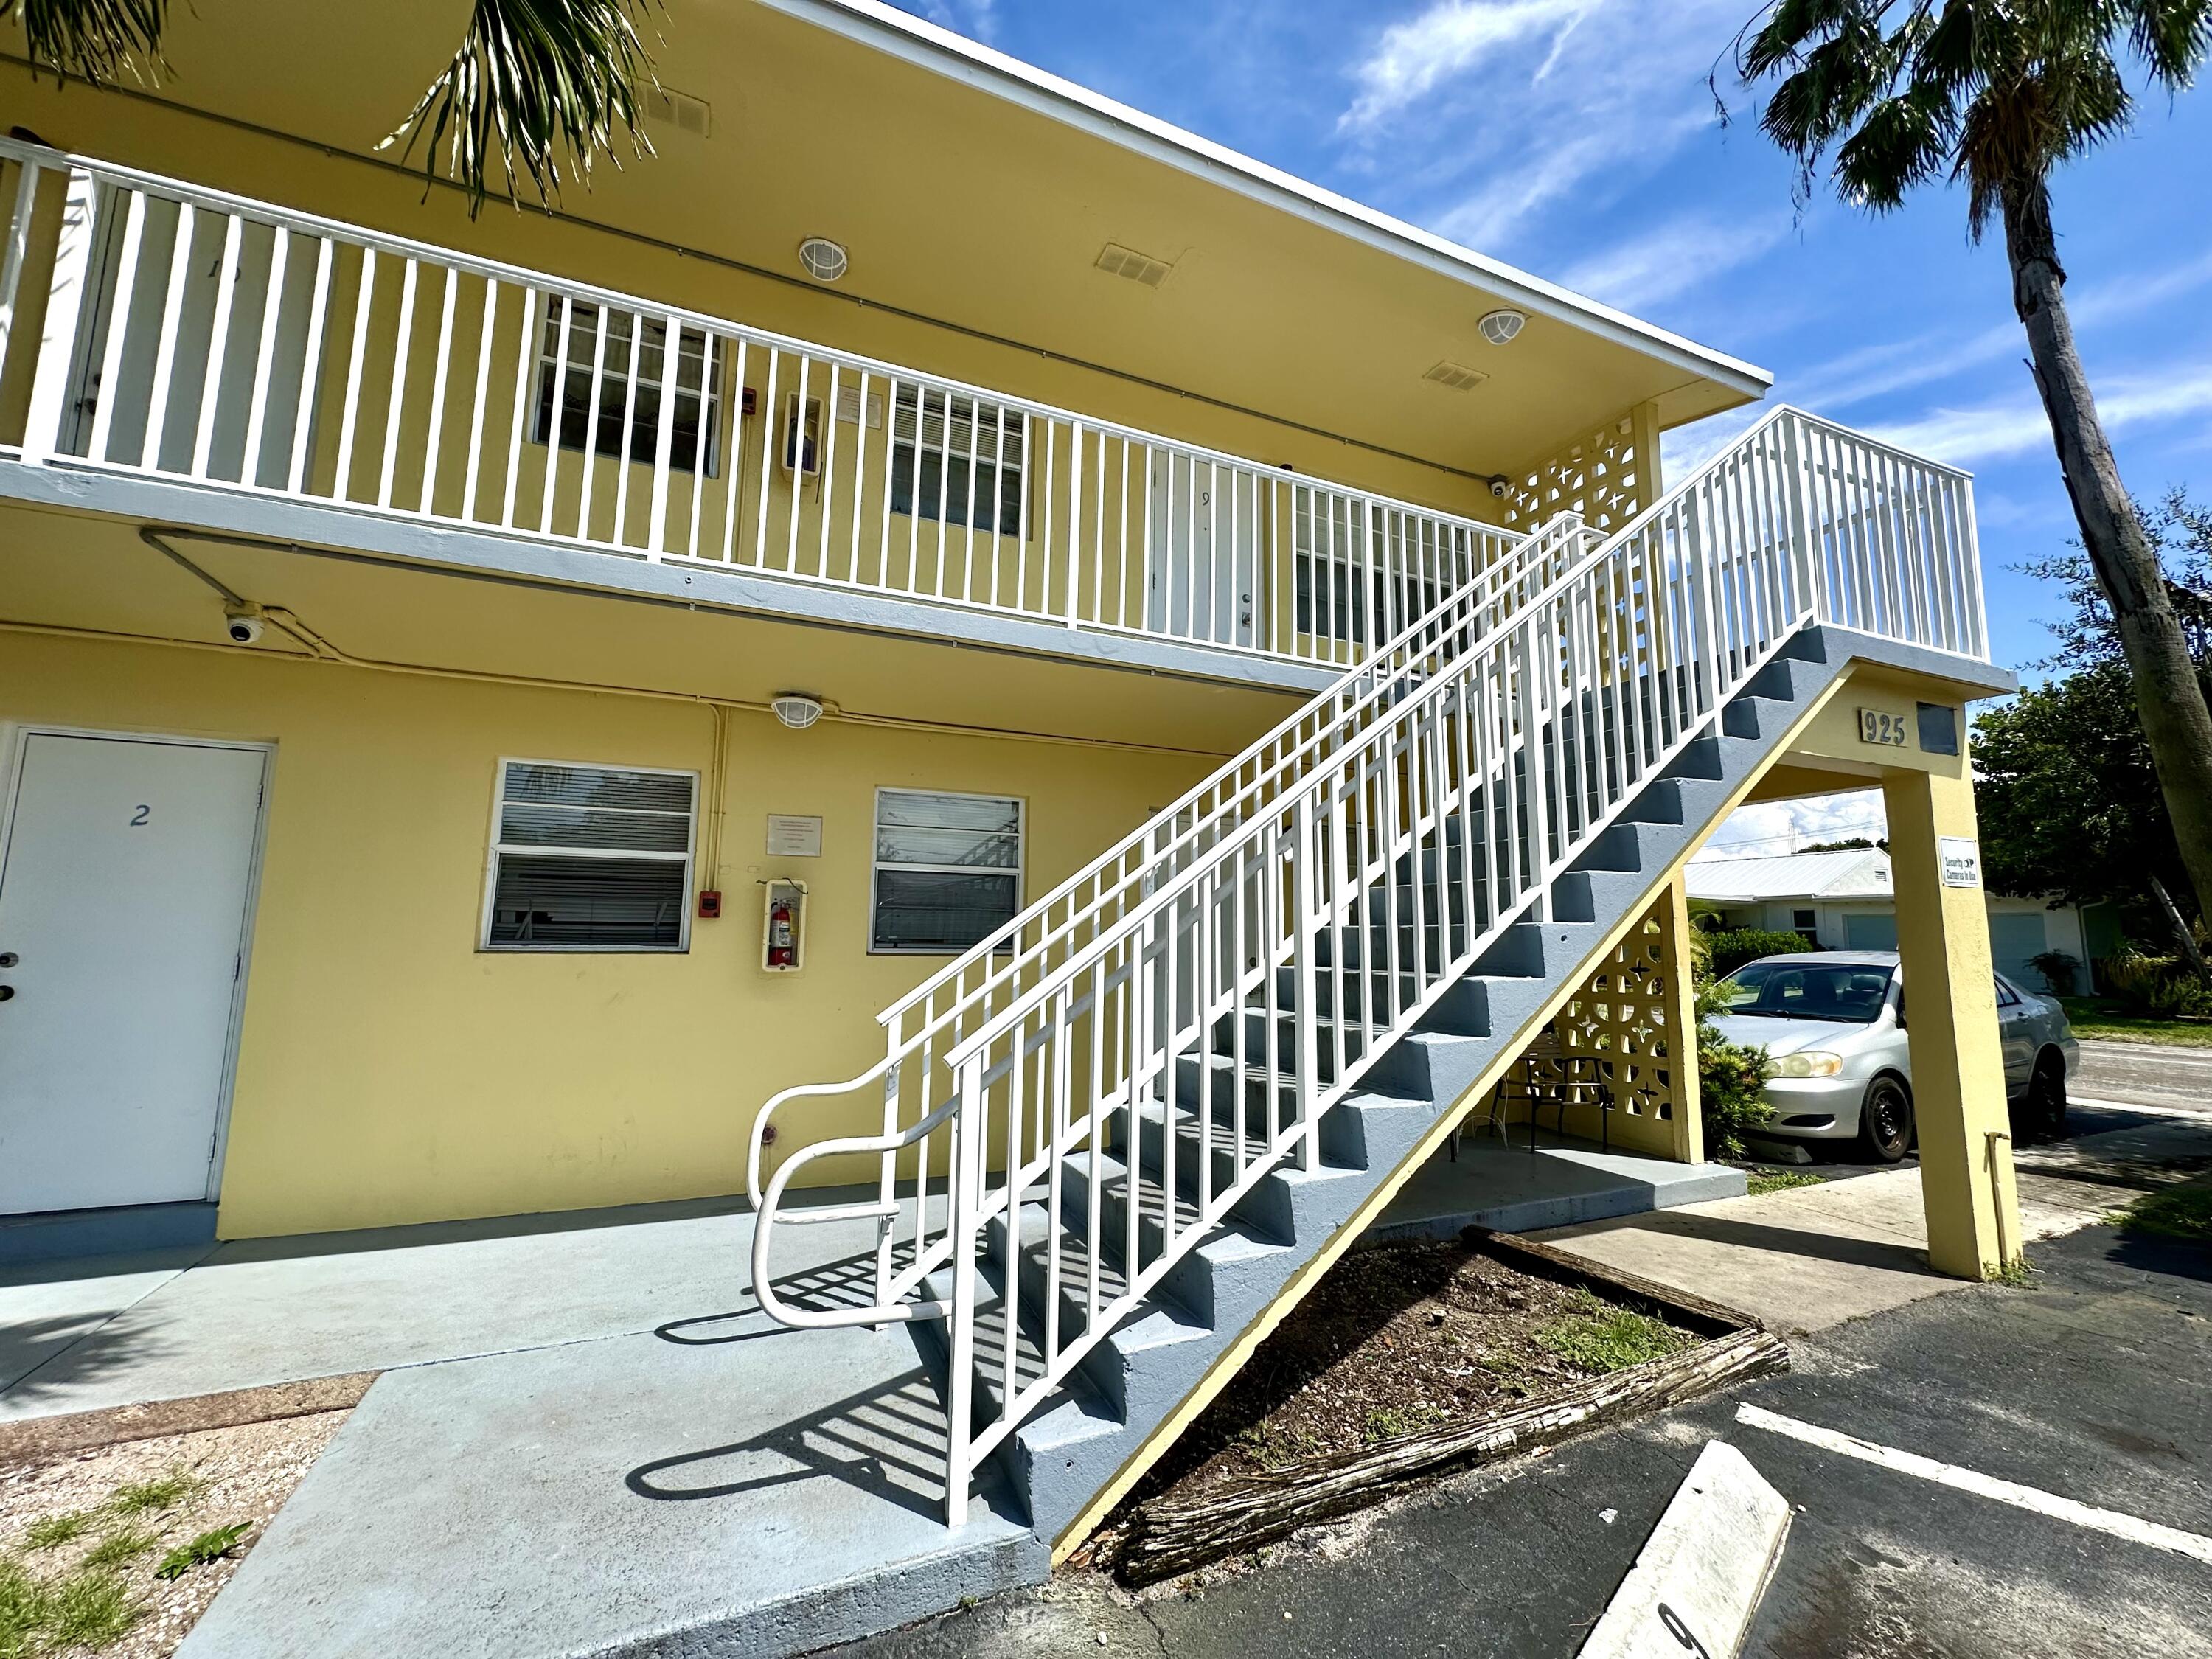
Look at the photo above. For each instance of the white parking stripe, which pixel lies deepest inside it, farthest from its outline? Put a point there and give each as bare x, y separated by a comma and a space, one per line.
2194, 1546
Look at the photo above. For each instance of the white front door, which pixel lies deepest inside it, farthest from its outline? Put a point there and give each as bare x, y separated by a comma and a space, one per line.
124, 876
1204, 581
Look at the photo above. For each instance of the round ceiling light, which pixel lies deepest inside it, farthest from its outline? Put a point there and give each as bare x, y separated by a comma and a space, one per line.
1498, 328
824, 260
796, 709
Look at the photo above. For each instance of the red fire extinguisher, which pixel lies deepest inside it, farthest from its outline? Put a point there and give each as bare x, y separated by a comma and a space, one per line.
782, 948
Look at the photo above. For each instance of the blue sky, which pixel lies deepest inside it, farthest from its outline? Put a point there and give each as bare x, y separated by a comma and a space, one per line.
1578, 139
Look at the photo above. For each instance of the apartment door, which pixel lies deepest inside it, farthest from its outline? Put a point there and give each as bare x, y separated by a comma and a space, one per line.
127, 870
1204, 578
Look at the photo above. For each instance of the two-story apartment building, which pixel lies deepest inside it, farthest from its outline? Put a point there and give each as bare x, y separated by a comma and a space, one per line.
1075, 665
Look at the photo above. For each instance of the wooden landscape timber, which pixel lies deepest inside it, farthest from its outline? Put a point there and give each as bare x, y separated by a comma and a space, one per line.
1167, 1536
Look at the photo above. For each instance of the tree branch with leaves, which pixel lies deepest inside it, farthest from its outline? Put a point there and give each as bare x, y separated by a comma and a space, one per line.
1891, 95
537, 91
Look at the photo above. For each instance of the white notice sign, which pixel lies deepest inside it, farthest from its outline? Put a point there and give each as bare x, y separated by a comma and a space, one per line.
1961, 859
790, 836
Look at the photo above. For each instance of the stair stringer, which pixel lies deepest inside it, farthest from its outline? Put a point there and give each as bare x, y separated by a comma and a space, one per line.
1075, 1459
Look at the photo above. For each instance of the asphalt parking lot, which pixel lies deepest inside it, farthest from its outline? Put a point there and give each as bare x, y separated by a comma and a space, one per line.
2087, 1386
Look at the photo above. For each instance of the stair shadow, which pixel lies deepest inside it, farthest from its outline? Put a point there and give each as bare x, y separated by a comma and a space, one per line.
1780, 1241
887, 1440
848, 1282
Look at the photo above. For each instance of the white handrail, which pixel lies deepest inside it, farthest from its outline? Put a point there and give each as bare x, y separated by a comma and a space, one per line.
337, 364
1358, 861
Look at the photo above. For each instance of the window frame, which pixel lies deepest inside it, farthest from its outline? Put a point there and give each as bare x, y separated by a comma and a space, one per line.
1010, 483
494, 848
1018, 869
545, 398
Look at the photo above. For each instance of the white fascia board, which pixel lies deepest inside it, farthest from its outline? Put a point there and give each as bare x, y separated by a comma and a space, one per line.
886, 29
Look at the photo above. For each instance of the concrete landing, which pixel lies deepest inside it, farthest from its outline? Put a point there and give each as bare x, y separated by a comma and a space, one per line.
1509, 1190
1811, 1257
725, 1493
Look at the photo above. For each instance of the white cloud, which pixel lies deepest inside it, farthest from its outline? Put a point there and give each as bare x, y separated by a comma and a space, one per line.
1900, 365
1687, 448
1772, 829
1413, 57
1670, 259
1483, 113
976, 19
2015, 425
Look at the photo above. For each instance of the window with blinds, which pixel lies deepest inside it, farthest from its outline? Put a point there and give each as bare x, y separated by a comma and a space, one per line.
600, 417
948, 870
957, 460
591, 858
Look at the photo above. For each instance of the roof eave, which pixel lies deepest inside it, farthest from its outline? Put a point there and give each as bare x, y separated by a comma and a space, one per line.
942, 51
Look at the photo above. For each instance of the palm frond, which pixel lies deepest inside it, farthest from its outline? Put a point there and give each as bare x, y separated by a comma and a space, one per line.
544, 86
95, 41
1895, 94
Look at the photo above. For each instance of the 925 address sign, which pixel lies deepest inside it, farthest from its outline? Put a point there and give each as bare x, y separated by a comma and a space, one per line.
1877, 727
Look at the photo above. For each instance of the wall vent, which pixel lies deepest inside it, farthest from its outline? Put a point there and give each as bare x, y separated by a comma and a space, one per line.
1458, 376
1121, 261
668, 108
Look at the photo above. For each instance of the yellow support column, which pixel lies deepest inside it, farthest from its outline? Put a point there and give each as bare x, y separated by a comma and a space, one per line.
1957, 1070
1681, 1015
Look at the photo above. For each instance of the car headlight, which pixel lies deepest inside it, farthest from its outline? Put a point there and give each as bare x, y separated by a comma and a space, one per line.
1807, 1062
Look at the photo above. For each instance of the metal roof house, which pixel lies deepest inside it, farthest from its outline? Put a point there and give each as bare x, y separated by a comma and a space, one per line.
1847, 899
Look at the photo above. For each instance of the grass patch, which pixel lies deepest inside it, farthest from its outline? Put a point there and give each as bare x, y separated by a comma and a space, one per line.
164, 1491
211, 1546
1394, 1423
2094, 1016
49, 1531
119, 1548
2182, 1213
1602, 1338
1759, 1182
2015, 1274
89, 1607
22, 1604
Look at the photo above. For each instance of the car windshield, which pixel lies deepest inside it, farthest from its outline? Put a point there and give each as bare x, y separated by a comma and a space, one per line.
1850, 993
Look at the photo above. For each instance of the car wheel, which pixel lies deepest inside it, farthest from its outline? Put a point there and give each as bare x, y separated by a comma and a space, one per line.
1886, 1121
2043, 1112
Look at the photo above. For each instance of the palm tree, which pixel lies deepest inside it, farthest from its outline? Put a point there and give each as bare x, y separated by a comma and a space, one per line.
1998, 93
548, 84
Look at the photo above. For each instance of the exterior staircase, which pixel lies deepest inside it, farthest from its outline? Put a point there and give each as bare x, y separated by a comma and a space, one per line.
1152, 1110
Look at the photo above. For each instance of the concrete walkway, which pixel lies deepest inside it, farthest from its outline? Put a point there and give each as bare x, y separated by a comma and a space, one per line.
1811, 1257
587, 1437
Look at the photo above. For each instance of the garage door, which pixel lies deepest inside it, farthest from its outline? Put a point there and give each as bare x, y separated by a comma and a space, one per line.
2014, 936
1870, 933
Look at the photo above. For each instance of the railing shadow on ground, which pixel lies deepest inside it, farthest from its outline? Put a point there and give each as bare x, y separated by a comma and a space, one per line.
887, 1441
1780, 1241
848, 1282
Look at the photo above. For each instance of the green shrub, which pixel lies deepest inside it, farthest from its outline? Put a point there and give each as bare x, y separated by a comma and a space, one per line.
1730, 951
1731, 1081
2159, 987
2058, 968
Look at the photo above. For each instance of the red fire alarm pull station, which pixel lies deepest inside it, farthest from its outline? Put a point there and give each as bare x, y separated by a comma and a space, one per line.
783, 926
710, 905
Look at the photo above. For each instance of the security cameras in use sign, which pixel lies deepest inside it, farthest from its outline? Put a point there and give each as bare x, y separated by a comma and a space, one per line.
1961, 859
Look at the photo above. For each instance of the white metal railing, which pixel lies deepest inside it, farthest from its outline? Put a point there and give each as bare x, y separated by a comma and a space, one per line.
190, 334
1264, 940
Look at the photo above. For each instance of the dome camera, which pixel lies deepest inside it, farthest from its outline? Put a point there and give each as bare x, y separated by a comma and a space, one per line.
1498, 485
242, 624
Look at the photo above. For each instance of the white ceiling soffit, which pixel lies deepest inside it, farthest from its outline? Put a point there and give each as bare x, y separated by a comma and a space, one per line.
903, 35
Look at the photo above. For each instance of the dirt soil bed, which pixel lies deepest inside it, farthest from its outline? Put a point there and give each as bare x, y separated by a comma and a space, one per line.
1400, 1340
84, 1535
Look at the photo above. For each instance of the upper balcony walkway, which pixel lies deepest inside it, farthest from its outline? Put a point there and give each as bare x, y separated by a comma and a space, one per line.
314, 380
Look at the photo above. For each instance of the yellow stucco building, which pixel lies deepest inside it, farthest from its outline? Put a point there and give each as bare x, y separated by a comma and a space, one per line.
490, 702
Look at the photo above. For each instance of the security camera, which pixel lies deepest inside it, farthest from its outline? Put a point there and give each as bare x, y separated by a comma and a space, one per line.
1498, 485
242, 624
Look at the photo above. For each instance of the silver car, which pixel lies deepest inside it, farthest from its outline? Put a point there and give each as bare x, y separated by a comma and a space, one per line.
1838, 1066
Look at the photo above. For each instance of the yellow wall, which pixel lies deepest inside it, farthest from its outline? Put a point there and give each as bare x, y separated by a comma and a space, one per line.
390, 1071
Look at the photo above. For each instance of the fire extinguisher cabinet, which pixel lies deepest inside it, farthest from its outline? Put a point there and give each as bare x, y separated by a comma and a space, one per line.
783, 926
